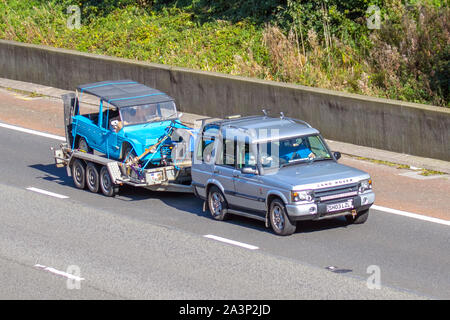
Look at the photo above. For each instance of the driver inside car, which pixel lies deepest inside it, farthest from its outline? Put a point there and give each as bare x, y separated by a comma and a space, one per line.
295, 149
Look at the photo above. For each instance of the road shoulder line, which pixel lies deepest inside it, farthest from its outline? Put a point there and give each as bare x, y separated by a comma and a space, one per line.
411, 215
30, 131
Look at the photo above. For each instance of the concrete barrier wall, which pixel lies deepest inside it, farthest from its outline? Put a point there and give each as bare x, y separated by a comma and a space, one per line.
379, 123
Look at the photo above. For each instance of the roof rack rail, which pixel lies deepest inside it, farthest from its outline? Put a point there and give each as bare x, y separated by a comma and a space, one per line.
203, 120
300, 122
242, 119
235, 116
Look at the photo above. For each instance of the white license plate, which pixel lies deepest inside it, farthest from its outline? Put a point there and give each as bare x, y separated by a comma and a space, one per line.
340, 206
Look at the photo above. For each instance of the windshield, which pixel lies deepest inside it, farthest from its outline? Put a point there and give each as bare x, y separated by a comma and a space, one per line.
278, 153
148, 112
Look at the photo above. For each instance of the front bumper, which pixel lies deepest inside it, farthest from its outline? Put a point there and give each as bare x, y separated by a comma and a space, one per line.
318, 211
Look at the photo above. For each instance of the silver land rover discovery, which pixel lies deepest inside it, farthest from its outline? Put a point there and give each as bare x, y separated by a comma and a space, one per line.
277, 170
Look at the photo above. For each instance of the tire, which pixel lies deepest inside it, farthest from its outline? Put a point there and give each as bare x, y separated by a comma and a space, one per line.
279, 220
360, 218
217, 204
106, 185
83, 145
79, 174
127, 148
92, 177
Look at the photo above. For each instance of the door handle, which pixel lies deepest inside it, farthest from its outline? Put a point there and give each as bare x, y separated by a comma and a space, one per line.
216, 171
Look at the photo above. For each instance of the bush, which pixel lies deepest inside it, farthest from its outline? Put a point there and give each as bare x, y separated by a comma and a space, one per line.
323, 43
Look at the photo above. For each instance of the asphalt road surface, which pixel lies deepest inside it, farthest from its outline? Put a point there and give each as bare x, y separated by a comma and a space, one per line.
148, 245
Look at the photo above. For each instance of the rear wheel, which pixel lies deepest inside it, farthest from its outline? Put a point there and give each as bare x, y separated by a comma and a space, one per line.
79, 174
217, 204
106, 184
279, 220
83, 145
92, 177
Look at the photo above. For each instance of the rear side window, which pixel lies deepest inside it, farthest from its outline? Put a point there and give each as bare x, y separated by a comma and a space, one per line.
246, 158
205, 151
226, 155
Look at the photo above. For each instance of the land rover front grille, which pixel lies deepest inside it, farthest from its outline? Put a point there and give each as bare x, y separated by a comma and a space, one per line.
333, 193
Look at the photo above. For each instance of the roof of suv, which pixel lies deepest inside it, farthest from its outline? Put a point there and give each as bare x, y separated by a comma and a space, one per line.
264, 128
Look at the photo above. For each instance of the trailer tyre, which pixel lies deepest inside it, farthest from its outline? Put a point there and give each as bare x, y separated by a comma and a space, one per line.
106, 184
92, 177
79, 174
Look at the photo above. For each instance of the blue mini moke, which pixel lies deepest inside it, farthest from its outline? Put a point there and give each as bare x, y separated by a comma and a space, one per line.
135, 138
134, 123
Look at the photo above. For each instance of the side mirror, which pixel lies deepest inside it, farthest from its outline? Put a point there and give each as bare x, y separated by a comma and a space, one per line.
249, 170
337, 155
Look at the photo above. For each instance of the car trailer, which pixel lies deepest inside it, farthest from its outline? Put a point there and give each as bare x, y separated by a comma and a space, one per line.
98, 173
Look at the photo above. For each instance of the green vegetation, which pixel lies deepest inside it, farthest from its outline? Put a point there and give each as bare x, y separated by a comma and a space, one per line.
386, 163
323, 43
29, 94
421, 171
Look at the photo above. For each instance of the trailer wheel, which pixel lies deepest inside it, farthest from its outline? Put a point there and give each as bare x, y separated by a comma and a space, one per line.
79, 174
106, 185
92, 177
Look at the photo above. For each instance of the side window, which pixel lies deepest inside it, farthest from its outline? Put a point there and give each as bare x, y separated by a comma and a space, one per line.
205, 152
246, 158
227, 154
113, 122
317, 147
105, 118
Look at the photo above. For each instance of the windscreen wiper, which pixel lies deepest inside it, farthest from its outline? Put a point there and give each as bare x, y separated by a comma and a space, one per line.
292, 162
320, 159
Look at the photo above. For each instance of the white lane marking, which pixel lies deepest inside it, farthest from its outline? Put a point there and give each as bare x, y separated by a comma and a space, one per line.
48, 193
236, 243
37, 133
411, 215
60, 273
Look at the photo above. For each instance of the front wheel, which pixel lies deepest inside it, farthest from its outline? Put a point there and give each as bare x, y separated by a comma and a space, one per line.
217, 204
360, 218
279, 220
128, 152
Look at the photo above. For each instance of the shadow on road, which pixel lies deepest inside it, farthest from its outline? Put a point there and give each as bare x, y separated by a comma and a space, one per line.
53, 174
186, 202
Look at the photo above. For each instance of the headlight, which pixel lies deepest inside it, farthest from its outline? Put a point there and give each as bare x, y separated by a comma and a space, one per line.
306, 195
365, 185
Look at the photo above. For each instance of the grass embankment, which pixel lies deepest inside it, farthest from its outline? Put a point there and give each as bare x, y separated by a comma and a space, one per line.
316, 43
